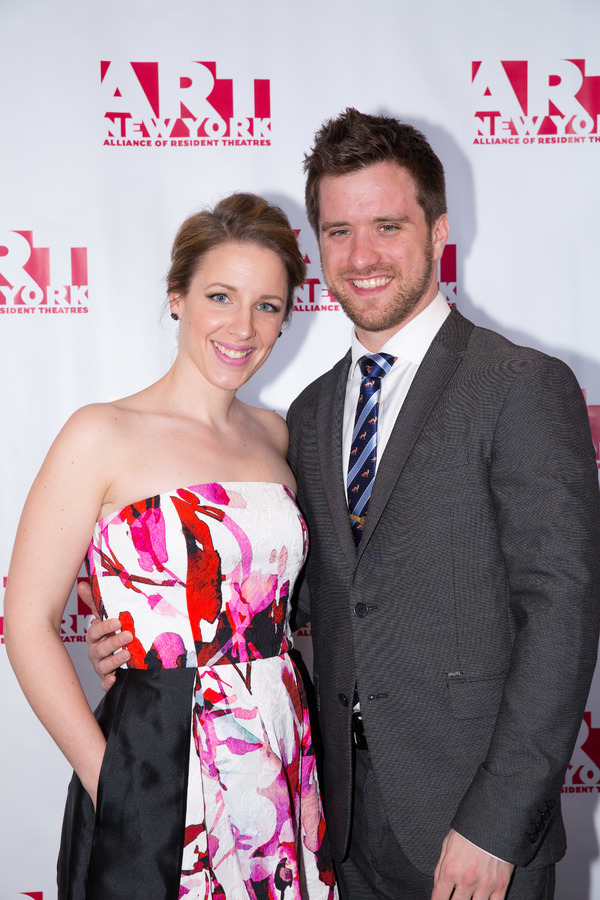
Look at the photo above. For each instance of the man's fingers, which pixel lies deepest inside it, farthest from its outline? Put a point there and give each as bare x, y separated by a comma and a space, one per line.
466, 872
107, 650
107, 682
106, 665
100, 628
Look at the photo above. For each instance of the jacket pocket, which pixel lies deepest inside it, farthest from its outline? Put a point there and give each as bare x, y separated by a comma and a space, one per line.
475, 698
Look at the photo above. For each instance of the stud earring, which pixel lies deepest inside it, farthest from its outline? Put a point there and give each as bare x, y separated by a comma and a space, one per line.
175, 317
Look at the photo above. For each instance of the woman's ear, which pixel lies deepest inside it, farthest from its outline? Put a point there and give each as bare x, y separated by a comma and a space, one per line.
174, 305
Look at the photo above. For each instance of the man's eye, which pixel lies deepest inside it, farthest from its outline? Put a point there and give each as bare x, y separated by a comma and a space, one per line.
389, 228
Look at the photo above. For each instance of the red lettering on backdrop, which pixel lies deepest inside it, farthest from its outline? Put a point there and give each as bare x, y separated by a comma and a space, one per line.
79, 269
525, 98
221, 96
262, 98
591, 745
448, 264
594, 417
147, 75
516, 72
194, 103
38, 264
26, 277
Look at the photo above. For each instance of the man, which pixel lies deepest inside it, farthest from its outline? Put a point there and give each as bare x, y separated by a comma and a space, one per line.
450, 489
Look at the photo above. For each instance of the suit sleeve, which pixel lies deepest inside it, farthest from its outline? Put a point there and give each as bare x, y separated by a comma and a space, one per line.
300, 614
544, 487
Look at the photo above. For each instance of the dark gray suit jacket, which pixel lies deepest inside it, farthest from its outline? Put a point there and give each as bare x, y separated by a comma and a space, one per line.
469, 617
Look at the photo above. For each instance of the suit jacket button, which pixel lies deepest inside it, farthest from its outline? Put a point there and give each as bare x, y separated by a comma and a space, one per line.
343, 699
361, 610
533, 837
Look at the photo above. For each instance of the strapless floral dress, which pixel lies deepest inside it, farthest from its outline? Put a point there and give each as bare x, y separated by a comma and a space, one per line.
208, 787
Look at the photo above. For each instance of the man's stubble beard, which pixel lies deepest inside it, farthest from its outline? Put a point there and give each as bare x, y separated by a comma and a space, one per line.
398, 308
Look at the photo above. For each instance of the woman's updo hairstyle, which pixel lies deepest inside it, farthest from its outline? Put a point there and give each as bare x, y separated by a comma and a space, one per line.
240, 218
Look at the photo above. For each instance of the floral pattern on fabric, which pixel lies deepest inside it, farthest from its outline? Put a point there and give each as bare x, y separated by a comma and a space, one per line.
202, 576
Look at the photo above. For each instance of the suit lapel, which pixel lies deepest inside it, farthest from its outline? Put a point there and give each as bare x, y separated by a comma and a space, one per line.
439, 363
329, 425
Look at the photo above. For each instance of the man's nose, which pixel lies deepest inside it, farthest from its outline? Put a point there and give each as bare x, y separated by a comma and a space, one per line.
364, 252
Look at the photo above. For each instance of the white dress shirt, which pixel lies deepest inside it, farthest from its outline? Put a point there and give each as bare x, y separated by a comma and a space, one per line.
409, 345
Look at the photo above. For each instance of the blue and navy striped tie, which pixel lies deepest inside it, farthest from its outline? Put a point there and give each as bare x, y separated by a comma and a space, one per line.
363, 454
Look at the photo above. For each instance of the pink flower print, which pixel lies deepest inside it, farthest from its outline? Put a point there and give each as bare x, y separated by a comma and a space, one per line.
214, 493
148, 536
282, 562
170, 649
259, 591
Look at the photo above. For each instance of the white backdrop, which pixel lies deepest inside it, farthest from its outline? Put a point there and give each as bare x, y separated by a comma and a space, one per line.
121, 117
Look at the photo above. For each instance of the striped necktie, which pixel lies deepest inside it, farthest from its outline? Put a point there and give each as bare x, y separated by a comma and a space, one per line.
363, 454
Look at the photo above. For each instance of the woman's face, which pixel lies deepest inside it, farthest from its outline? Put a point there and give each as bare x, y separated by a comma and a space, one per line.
232, 313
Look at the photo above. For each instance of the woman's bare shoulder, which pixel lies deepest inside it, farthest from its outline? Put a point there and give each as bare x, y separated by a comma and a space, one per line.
100, 421
274, 426
98, 432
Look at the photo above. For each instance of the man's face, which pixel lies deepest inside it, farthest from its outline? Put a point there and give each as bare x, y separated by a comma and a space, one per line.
378, 255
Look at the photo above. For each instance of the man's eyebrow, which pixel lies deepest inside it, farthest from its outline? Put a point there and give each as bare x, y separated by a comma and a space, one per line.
327, 225
401, 220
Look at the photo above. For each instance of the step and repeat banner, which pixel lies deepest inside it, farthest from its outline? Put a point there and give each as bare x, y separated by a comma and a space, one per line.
119, 119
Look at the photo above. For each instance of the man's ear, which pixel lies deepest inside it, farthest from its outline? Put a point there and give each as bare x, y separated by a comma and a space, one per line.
439, 236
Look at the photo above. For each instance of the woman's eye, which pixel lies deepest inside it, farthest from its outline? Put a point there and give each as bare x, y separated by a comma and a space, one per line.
269, 307
219, 298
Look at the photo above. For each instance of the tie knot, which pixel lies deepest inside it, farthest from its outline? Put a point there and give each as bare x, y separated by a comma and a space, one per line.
376, 365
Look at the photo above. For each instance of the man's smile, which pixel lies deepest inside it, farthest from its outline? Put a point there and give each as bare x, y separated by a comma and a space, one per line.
366, 284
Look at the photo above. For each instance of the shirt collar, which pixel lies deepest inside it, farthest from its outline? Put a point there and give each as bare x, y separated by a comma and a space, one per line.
411, 342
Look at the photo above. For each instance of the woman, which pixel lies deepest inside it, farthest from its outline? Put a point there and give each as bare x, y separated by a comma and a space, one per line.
197, 779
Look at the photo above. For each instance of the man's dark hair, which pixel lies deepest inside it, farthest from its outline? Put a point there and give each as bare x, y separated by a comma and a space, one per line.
355, 140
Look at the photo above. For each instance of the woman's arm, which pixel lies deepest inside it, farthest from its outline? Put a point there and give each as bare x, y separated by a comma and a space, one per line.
52, 539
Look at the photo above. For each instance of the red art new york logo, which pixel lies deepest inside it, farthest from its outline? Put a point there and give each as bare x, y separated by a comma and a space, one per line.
2, 616
74, 626
532, 102
178, 104
447, 277
583, 774
314, 295
594, 417
28, 283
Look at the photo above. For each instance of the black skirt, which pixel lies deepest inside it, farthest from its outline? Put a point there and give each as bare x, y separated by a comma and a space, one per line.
131, 847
